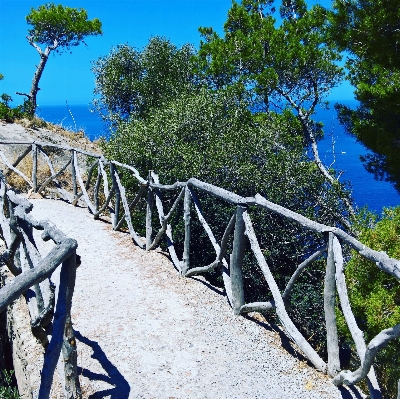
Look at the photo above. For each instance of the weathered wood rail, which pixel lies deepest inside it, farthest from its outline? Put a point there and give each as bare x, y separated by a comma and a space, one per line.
50, 319
103, 192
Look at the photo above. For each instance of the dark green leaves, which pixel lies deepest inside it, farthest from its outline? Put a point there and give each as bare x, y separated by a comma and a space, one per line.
370, 32
58, 26
287, 63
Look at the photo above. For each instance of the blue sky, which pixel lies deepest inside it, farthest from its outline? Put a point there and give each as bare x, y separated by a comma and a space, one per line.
67, 77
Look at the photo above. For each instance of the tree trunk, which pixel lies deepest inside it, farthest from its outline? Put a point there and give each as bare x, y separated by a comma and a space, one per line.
36, 78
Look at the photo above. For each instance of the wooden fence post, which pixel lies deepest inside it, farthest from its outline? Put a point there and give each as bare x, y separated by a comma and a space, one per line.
329, 309
73, 175
149, 212
236, 261
96, 189
62, 339
115, 217
72, 387
186, 216
34, 168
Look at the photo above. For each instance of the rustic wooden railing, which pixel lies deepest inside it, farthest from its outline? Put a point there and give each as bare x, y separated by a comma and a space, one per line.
113, 195
50, 319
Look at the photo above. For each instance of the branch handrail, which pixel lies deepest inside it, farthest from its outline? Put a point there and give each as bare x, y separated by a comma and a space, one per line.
241, 228
33, 272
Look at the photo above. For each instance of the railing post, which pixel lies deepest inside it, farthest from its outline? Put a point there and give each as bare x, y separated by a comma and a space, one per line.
73, 175
115, 217
329, 309
96, 189
236, 261
63, 338
72, 387
186, 216
34, 167
149, 212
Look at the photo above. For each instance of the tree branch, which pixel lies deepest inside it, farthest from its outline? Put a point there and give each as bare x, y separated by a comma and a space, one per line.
33, 44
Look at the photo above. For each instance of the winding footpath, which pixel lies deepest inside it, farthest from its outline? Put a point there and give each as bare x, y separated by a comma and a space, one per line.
145, 332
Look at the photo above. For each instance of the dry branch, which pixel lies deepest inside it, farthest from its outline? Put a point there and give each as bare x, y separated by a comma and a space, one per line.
19, 284
236, 263
132, 169
297, 273
87, 184
186, 245
139, 195
44, 144
132, 232
164, 223
376, 344
290, 328
217, 248
83, 188
168, 232
332, 339
20, 158
257, 307
53, 177
10, 166
356, 333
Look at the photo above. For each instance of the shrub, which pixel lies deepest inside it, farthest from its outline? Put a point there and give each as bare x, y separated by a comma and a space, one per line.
11, 114
375, 295
7, 391
6, 112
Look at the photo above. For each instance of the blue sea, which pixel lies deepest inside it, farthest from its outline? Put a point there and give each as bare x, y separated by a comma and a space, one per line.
337, 149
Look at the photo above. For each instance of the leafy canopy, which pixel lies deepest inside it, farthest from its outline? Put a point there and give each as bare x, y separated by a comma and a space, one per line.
289, 63
130, 82
369, 31
60, 26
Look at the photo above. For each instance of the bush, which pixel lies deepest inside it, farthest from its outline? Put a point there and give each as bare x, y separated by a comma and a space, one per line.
7, 391
375, 295
11, 114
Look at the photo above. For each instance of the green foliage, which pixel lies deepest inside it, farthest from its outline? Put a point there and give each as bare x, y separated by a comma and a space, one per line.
7, 391
369, 32
9, 114
131, 82
6, 112
287, 63
60, 26
279, 66
375, 295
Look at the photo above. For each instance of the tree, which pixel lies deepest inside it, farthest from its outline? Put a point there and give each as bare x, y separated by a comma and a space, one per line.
290, 66
130, 82
369, 31
56, 28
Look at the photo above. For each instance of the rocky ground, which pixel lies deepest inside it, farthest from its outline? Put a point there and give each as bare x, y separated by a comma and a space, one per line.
41, 131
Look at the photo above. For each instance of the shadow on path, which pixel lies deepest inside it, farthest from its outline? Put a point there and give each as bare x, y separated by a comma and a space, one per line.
218, 290
121, 387
288, 345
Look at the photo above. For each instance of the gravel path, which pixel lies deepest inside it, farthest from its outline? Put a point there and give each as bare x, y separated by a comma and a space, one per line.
145, 332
